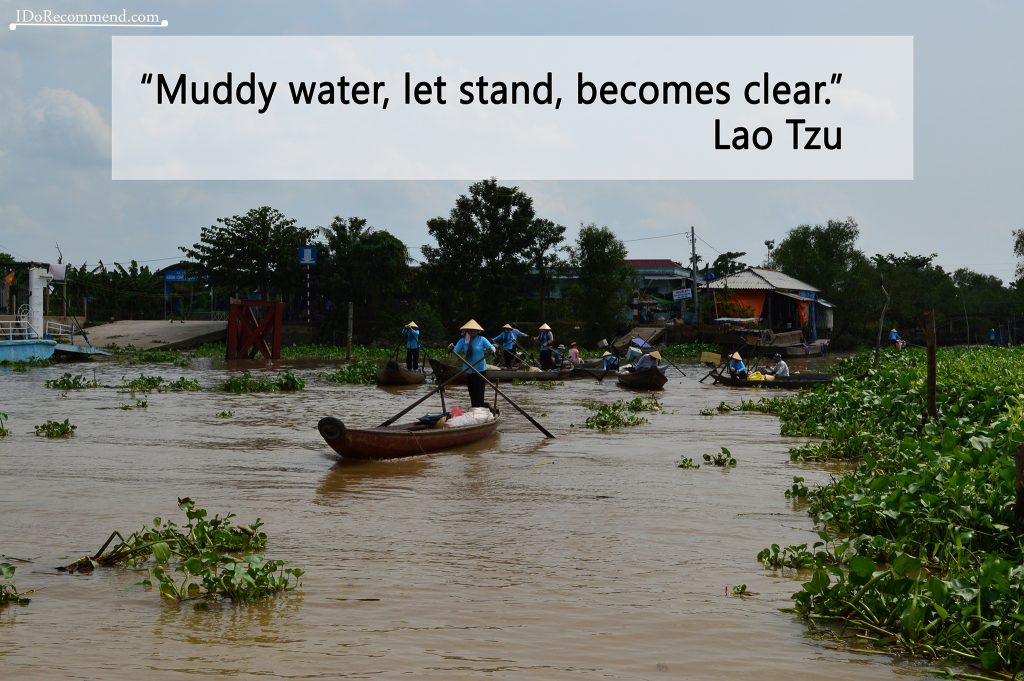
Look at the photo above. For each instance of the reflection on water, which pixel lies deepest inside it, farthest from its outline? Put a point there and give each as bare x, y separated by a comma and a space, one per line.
587, 556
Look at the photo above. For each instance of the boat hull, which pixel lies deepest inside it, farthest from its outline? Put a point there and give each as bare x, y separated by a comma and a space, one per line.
391, 442
443, 372
26, 350
643, 379
394, 373
789, 383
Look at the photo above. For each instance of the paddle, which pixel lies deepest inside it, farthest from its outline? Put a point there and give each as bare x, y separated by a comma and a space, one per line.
507, 398
719, 367
419, 401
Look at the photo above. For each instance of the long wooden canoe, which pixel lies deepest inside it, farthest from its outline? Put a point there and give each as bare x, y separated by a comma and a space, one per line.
406, 439
643, 379
792, 382
443, 371
394, 373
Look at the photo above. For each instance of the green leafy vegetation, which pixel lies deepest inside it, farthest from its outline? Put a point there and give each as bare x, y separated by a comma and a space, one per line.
723, 458
182, 384
619, 414
71, 382
55, 429
362, 372
215, 558
24, 365
688, 351
920, 554
247, 383
540, 385
688, 463
225, 414
8, 591
143, 383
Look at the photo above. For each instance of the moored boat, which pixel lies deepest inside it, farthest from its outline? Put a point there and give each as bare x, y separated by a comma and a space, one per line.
406, 439
651, 378
792, 382
393, 373
443, 372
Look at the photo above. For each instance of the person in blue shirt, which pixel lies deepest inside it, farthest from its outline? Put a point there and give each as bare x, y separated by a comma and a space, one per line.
412, 346
474, 348
648, 361
611, 362
992, 337
737, 369
897, 342
507, 338
545, 339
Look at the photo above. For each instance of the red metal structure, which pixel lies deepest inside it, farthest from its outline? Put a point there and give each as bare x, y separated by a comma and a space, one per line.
254, 326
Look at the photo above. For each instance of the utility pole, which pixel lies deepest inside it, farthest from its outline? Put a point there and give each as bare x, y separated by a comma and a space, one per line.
693, 277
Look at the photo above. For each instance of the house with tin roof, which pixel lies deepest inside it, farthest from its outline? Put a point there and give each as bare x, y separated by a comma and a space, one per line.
773, 300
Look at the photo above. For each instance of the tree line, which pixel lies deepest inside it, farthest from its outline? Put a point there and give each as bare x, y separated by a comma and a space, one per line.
494, 259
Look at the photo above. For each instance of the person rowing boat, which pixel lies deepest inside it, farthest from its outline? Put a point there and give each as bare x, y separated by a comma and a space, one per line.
508, 339
474, 348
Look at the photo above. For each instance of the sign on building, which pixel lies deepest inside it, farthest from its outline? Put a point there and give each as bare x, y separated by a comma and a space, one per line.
682, 294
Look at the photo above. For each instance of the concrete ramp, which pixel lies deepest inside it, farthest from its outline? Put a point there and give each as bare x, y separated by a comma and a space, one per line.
152, 334
651, 334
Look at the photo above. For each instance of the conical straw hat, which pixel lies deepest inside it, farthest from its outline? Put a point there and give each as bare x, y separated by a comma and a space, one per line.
545, 327
471, 325
412, 325
735, 355
606, 354
655, 354
507, 326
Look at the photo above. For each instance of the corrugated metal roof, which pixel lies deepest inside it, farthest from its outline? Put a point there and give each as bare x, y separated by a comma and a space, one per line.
653, 263
757, 278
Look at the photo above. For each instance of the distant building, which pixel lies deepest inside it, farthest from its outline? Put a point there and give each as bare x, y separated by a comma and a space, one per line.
773, 300
656, 279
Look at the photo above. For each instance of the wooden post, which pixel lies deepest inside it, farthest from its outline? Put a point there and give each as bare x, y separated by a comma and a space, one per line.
1018, 511
929, 334
348, 351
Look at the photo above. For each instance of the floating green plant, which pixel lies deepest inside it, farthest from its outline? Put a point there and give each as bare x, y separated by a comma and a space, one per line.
357, 373
8, 591
247, 383
72, 382
212, 575
225, 414
722, 458
687, 462
56, 429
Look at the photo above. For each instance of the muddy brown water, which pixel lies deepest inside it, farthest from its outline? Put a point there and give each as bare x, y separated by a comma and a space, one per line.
591, 556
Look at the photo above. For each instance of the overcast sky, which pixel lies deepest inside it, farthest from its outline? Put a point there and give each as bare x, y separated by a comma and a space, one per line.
55, 181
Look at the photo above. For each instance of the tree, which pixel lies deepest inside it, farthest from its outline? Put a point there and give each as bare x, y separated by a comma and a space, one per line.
255, 251
369, 268
728, 263
545, 254
1018, 250
916, 284
481, 263
601, 288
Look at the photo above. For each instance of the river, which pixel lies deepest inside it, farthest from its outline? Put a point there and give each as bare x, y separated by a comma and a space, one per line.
590, 556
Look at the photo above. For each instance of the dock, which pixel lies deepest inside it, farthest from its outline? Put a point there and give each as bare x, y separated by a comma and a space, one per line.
155, 334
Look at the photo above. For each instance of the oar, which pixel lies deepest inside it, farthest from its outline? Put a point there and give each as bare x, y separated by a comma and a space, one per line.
719, 367
419, 401
591, 372
507, 398
674, 366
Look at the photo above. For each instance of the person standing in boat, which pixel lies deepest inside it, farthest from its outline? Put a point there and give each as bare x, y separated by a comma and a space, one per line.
474, 348
780, 369
737, 369
412, 346
546, 340
508, 339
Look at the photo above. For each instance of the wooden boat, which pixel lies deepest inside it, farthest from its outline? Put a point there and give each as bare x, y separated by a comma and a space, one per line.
792, 382
651, 378
406, 439
394, 373
443, 372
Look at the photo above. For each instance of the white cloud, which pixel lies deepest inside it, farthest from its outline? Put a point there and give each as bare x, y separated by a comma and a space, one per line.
60, 124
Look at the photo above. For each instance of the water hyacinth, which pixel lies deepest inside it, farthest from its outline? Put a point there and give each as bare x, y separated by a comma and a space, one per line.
918, 551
